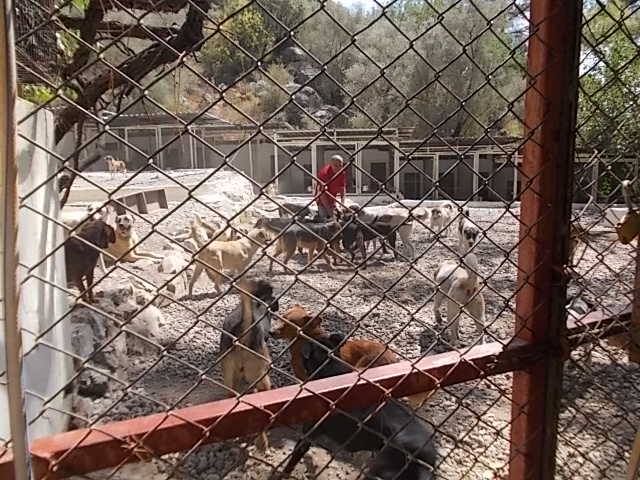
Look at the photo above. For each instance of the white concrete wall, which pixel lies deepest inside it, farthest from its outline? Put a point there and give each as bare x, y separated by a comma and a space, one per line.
45, 370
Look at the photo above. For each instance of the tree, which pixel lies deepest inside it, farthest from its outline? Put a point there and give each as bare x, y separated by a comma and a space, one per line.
243, 37
610, 80
90, 81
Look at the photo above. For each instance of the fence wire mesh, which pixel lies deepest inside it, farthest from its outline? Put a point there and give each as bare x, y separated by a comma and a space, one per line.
196, 238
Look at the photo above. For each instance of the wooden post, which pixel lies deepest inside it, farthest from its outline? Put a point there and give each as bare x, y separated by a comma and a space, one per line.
547, 175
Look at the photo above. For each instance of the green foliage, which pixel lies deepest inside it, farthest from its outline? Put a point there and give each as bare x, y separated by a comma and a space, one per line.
610, 84
245, 25
36, 93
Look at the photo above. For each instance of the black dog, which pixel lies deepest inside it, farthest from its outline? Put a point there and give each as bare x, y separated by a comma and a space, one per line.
81, 258
402, 441
356, 235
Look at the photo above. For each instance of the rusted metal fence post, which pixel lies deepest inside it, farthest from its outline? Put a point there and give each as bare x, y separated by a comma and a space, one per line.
9, 209
547, 174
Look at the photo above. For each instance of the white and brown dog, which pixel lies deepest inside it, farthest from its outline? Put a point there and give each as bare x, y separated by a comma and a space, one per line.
125, 248
459, 285
468, 232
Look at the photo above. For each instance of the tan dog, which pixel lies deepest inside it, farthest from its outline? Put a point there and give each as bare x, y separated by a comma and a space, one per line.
125, 248
243, 349
115, 166
212, 231
232, 256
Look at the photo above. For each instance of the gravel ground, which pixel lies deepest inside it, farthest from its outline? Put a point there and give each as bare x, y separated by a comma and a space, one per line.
391, 302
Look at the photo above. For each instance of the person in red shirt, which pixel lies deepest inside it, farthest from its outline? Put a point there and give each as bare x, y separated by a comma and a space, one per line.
332, 185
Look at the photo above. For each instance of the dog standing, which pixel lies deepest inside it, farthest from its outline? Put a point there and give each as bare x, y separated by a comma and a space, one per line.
292, 210
243, 347
356, 235
81, 258
232, 256
402, 442
459, 285
399, 218
310, 236
468, 233
441, 217
115, 166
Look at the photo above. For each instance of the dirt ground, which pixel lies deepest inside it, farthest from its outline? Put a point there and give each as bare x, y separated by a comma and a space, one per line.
391, 302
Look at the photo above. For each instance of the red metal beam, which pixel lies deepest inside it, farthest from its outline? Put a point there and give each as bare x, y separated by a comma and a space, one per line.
550, 110
83, 451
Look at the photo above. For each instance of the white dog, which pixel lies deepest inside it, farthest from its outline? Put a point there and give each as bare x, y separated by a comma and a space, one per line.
395, 217
468, 232
441, 217
459, 285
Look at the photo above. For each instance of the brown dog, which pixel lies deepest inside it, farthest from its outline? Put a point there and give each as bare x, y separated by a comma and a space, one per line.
358, 353
81, 258
243, 349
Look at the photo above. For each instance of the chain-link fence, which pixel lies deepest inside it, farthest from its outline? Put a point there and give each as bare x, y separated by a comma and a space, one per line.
261, 238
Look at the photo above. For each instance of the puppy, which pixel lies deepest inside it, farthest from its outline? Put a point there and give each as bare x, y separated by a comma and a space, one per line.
81, 258
125, 247
401, 442
115, 166
232, 256
468, 233
310, 236
356, 235
459, 285
243, 348
358, 353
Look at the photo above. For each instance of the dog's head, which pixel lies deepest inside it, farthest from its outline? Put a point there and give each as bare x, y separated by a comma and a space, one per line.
102, 234
469, 235
318, 357
436, 213
265, 304
295, 319
124, 224
258, 236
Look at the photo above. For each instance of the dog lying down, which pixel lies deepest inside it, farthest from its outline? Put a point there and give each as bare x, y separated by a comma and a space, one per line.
126, 246
359, 353
402, 442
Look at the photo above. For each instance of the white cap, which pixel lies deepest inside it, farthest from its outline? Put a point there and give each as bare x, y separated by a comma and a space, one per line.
337, 157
